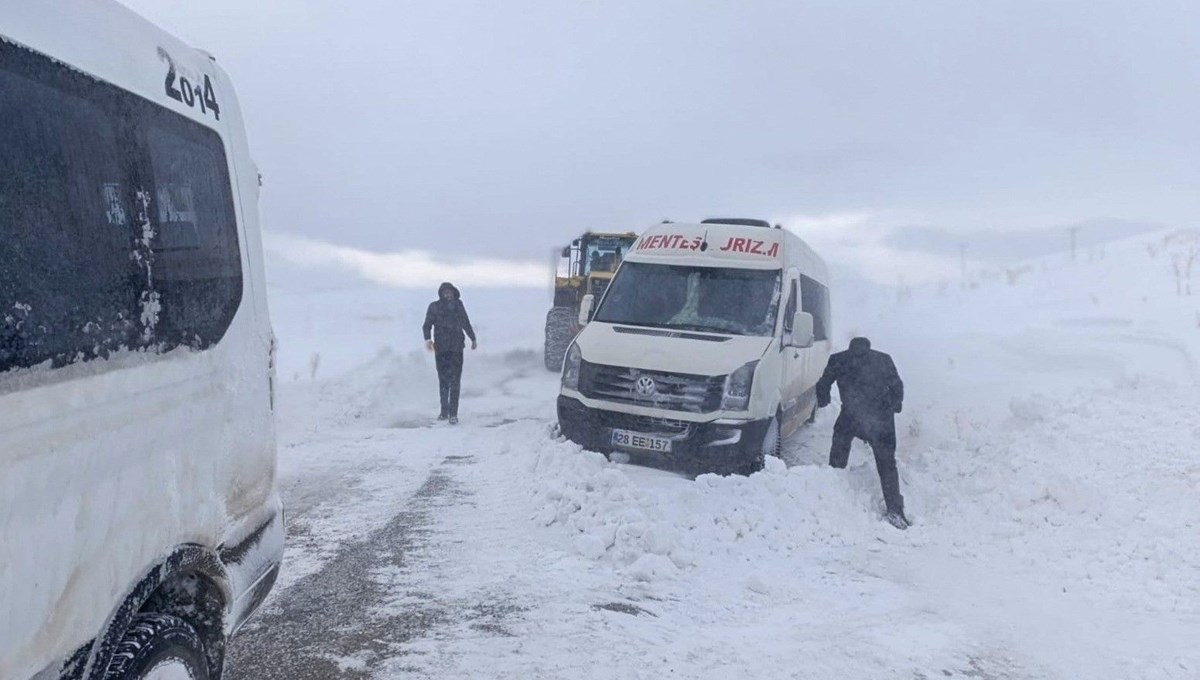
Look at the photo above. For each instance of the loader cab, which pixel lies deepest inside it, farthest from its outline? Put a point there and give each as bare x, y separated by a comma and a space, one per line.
582, 269
587, 265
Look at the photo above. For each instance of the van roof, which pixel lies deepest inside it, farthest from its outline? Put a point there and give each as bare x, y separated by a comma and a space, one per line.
726, 245
106, 40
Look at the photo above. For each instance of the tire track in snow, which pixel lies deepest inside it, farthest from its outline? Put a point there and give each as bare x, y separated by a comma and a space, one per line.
330, 624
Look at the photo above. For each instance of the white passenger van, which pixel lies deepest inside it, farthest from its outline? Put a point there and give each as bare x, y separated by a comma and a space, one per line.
705, 350
139, 520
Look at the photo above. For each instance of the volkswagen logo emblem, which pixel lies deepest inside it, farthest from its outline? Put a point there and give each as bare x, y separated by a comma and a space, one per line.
645, 386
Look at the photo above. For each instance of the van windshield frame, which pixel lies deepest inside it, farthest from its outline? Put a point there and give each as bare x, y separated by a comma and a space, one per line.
725, 300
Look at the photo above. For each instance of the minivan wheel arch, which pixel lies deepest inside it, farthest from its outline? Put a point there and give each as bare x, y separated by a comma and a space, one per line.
189, 562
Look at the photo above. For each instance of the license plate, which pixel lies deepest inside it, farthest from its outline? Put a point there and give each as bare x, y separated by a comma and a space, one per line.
636, 440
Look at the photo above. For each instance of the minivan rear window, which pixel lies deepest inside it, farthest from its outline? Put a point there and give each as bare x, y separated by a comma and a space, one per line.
117, 221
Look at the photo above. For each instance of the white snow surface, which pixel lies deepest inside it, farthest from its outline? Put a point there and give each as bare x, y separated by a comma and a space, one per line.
1049, 454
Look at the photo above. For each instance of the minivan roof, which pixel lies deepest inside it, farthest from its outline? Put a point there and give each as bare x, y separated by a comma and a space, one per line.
742, 221
105, 39
710, 245
718, 244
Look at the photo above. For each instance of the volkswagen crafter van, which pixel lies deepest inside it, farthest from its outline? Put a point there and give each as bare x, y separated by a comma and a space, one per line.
139, 520
705, 350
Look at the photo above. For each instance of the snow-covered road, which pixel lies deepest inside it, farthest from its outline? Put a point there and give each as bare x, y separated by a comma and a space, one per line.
1050, 457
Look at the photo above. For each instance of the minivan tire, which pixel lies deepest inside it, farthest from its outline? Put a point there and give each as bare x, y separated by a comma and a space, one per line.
157, 642
773, 439
771, 445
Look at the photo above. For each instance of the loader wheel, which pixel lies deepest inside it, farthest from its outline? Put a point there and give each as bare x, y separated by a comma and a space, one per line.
560, 330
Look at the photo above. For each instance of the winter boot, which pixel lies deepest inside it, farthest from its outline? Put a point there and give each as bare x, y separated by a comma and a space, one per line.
442, 416
897, 519
453, 420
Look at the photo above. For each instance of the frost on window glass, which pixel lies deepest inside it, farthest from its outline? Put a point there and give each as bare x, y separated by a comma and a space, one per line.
64, 270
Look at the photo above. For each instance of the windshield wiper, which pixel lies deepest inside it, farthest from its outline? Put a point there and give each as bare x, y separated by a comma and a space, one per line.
702, 329
670, 326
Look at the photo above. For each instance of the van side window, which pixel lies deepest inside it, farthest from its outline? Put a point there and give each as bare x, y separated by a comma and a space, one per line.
814, 299
65, 270
117, 221
197, 265
789, 313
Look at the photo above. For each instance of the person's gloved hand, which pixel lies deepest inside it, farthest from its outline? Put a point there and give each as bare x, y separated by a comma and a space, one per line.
474, 344
430, 346
822, 403
898, 407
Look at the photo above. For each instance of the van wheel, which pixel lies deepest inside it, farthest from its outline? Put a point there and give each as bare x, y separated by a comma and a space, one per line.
158, 647
770, 446
772, 440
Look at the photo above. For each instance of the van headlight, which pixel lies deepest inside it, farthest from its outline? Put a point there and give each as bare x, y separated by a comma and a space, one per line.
570, 374
737, 388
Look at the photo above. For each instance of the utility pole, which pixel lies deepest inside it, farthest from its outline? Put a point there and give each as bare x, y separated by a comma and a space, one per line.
1074, 232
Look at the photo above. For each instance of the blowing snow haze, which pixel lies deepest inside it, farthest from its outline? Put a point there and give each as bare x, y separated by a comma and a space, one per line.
468, 130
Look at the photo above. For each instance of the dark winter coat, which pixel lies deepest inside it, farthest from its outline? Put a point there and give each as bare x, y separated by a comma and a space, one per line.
448, 321
871, 389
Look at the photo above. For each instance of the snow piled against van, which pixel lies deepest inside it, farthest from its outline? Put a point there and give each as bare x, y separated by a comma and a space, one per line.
1050, 459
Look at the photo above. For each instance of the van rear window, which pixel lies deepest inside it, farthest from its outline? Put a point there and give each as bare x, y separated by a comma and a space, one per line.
117, 221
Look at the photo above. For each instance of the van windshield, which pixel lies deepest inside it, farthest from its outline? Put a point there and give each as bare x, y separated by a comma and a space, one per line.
713, 299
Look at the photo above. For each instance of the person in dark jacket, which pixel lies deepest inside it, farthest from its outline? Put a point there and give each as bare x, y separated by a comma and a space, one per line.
446, 322
872, 395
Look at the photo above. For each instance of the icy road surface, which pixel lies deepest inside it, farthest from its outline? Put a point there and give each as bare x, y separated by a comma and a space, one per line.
1050, 457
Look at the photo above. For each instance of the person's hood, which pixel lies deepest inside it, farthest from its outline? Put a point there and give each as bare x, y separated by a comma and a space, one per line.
449, 286
860, 346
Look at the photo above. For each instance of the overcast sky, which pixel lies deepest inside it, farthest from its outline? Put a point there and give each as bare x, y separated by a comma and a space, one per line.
498, 129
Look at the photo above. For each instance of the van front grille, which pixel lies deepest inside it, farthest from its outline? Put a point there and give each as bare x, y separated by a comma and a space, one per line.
656, 389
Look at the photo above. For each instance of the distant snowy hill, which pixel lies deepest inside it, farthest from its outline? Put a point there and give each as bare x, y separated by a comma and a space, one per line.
1003, 246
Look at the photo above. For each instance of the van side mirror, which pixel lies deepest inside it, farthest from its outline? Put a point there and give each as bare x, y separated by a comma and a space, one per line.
566, 252
802, 330
585, 309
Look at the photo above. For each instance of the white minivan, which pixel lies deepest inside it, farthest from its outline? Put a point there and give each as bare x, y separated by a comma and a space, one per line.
139, 519
705, 350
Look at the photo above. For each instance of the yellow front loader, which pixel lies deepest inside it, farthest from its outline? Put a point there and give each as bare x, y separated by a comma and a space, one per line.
583, 268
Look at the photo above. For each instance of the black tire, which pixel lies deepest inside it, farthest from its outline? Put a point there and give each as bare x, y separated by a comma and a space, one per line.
771, 445
560, 330
154, 641
773, 448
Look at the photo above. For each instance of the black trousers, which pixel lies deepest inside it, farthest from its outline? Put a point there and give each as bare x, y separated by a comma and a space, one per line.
449, 368
880, 433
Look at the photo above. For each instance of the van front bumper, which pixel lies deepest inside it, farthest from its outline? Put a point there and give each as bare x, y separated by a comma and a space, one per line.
720, 446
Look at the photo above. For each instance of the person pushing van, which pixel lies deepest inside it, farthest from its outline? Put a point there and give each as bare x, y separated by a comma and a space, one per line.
447, 319
872, 395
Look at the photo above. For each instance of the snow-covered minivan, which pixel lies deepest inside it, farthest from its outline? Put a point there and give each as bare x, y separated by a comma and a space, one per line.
139, 519
705, 350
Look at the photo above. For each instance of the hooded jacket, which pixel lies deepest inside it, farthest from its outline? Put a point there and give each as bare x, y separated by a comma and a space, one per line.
871, 389
447, 321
